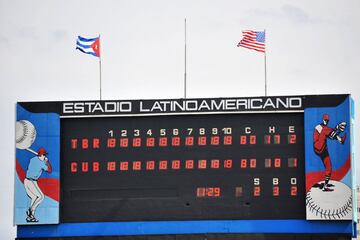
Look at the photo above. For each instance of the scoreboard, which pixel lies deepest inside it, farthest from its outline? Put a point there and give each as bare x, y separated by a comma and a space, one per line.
185, 160
199, 167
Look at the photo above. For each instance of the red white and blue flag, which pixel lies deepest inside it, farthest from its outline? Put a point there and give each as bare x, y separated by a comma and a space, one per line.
253, 40
89, 45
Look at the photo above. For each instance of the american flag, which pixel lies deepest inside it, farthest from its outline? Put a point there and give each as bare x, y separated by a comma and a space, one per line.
253, 40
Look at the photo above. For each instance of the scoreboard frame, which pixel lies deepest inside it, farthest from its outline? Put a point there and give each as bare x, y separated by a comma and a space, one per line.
48, 118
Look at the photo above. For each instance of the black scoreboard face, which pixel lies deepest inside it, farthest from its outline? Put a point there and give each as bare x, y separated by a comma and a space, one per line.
182, 167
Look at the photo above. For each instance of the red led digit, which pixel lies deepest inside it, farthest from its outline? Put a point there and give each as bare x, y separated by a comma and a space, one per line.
175, 164
276, 191
243, 163
124, 142
96, 166
215, 163
85, 166
175, 141
136, 165
124, 166
292, 138
257, 191
150, 142
227, 140
163, 141
74, 143
202, 141
253, 163
111, 166
189, 164
217, 192
96, 143
209, 192
277, 139
136, 142
200, 192
111, 142
85, 143
228, 163
215, 140
202, 164
150, 165
267, 139
189, 141
243, 139
163, 165
73, 167
277, 162
293, 190
252, 139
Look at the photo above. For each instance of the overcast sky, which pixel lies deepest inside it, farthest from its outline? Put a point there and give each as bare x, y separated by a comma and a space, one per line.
311, 49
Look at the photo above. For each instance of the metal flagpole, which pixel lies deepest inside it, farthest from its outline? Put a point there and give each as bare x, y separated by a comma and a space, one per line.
265, 64
100, 67
185, 64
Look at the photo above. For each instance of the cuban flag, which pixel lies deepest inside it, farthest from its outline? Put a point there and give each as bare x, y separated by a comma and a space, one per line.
89, 45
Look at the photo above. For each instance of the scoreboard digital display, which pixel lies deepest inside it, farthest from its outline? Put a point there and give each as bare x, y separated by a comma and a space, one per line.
217, 165
183, 167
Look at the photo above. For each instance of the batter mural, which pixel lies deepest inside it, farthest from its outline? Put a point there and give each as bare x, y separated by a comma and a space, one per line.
37, 180
328, 163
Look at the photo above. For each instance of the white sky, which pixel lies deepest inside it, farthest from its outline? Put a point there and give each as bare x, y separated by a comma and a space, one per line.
311, 49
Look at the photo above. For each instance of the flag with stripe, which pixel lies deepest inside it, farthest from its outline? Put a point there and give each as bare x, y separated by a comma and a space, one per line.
89, 45
253, 40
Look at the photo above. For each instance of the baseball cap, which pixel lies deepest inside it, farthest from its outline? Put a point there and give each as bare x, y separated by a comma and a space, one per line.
326, 117
41, 151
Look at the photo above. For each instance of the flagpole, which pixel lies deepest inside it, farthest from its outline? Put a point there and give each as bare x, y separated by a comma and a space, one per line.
185, 64
100, 68
265, 66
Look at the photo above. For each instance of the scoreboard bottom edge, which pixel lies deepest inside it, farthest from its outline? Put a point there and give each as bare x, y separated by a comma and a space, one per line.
239, 236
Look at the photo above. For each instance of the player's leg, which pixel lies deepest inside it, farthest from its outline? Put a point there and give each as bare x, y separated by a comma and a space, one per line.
29, 191
39, 196
29, 188
328, 171
32, 193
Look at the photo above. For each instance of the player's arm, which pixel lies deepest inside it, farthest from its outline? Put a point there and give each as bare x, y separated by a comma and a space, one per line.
318, 144
336, 132
341, 139
49, 168
316, 136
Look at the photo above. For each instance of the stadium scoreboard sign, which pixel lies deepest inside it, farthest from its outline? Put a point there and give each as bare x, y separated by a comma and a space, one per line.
178, 106
193, 162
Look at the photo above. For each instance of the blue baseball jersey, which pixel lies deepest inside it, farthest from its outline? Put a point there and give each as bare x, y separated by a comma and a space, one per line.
35, 168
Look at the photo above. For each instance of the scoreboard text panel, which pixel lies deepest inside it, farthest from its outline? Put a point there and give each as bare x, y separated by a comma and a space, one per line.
215, 166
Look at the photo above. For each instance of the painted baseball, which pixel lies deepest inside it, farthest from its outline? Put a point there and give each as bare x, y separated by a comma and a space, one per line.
336, 205
25, 133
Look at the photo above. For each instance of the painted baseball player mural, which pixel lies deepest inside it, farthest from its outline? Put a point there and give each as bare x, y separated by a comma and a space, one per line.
328, 162
322, 133
36, 166
37, 182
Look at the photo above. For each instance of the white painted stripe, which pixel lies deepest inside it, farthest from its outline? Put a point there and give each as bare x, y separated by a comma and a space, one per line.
85, 43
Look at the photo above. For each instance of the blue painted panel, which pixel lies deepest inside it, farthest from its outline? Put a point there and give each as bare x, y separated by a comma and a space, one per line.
184, 227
